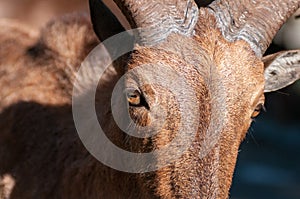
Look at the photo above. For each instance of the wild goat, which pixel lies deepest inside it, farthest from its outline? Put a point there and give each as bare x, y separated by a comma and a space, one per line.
217, 49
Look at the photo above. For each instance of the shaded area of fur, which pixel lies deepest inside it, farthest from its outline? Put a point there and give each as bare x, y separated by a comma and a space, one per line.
36, 74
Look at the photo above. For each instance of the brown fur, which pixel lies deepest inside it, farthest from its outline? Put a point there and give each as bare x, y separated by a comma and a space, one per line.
212, 174
35, 58
36, 74
38, 142
39, 145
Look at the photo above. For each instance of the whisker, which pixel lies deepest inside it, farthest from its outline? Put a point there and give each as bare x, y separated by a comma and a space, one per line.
250, 132
283, 93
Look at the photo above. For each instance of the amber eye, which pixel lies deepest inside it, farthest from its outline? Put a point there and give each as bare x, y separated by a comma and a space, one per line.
133, 97
257, 110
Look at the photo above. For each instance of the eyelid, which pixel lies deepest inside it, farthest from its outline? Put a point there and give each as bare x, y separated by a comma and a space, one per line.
258, 110
132, 89
258, 96
133, 97
263, 108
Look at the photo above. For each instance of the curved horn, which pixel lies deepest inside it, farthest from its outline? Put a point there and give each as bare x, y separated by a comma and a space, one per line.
104, 21
203, 3
255, 21
158, 18
106, 25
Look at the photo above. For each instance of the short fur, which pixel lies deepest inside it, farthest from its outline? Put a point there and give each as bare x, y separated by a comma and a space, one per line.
40, 152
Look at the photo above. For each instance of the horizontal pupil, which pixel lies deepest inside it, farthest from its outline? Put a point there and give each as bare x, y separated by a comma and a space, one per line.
133, 96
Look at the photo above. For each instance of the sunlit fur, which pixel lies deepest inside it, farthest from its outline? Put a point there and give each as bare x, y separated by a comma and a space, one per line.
39, 146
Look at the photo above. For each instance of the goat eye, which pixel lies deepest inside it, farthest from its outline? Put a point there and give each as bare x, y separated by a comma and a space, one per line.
133, 97
257, 110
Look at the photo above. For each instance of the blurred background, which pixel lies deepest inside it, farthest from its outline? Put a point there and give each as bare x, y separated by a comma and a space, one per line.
36, 13
269, 159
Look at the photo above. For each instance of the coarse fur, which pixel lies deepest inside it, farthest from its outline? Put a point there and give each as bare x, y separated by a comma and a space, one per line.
39, 83
41, 154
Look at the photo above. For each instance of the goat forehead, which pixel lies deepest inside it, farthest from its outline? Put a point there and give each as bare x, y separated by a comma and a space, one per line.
232, 63
230, 70
241, 69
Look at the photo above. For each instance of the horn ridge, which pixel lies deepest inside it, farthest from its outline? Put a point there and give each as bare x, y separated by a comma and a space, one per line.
157, 19
254, 21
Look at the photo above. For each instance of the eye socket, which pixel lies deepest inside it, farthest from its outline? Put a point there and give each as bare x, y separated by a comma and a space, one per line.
133, 97
257, 110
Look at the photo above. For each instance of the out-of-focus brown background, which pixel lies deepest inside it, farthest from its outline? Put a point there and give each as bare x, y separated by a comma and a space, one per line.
269, 160
36, 13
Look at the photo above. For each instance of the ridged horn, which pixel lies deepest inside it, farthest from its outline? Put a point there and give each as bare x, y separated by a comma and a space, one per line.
158, 18
105, 23
255, 21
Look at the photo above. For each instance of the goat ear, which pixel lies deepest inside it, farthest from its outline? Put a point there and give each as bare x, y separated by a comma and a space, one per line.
281, 69
105, 23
